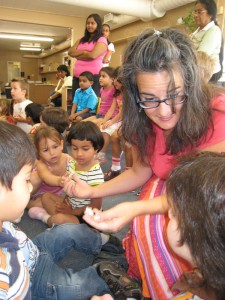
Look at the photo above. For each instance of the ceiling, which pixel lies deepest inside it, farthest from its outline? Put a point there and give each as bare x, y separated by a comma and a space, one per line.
59, 33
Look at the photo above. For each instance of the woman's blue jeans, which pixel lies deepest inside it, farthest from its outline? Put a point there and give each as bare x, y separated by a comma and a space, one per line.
49, 281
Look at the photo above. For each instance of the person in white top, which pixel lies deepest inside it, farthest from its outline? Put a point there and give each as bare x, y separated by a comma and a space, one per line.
19, 90
208, 37
111, 48
65, 79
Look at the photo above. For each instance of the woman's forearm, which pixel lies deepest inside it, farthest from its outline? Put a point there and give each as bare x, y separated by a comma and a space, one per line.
125, 182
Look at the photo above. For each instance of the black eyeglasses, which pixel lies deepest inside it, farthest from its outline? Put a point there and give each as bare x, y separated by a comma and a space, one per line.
198, 12
153, 103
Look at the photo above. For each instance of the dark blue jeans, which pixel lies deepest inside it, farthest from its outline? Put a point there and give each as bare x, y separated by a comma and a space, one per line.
49, 281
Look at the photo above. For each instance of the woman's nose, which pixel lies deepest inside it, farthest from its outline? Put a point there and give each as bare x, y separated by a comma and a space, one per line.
164, 109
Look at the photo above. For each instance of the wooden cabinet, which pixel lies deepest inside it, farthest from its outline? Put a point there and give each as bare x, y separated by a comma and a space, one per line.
39, 93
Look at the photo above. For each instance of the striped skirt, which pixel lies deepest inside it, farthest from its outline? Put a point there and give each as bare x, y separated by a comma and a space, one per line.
148, 254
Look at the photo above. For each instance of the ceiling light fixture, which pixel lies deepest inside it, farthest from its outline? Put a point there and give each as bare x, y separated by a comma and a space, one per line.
31, 45
25, 37
30, 49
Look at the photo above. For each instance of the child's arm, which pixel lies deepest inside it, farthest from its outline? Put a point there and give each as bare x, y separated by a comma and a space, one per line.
107, 56
116, 119
110, 111
20, 119
73, 110
47, 176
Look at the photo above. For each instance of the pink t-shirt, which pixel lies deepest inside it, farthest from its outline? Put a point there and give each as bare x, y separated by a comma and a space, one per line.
106, 100
93, 66
162, 163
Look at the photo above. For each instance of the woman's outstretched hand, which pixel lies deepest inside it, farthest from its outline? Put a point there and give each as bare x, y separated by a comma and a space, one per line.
111, 220
75, 187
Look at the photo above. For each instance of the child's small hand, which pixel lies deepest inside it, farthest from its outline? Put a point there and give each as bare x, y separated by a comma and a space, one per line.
18, 118
61, 180
62, 207
71, 117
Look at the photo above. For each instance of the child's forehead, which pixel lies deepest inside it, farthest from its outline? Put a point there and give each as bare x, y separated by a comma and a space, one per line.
75, 142
49, 140
16, 84
83, 78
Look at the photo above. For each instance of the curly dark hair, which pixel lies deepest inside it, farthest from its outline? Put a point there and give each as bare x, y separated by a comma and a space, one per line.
196, 193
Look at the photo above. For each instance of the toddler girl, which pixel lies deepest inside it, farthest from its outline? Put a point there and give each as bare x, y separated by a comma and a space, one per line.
86, 141
50, 166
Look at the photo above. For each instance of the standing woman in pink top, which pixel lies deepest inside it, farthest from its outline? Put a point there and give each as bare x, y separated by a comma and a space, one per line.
89, 52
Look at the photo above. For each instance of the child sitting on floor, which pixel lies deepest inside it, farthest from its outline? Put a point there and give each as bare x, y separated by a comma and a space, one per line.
86, 141
29, 268
85, 99
50, 167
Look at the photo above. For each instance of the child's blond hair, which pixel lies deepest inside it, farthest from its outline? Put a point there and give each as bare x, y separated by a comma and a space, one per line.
5, 107
206, 64
23, 85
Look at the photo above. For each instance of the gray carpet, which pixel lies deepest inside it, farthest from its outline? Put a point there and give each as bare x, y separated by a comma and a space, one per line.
77, 260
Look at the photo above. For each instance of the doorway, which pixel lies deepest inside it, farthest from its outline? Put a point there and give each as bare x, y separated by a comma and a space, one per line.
13, 69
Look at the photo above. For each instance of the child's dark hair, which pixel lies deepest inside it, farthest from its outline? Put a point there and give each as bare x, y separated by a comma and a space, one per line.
118, 76
196, 193
55, 117
97, 34
108, 70
16, 151
87, 131
34, 110
88, 75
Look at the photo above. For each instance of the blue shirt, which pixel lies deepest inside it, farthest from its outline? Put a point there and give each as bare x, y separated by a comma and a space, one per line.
85, 99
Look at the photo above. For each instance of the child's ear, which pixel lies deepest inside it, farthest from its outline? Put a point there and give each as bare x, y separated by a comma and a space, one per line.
91, 82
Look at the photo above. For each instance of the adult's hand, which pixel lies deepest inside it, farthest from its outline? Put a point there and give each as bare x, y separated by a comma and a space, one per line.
75, 187
111, 220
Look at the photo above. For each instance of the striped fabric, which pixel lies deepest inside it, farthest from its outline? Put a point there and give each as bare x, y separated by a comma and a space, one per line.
147, 251
14, 274
92, 177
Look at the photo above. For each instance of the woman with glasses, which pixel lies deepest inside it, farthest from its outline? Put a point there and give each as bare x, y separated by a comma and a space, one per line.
208, 37
168, 111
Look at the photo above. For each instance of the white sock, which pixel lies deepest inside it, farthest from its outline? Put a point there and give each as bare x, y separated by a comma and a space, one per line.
105, 238
45, 218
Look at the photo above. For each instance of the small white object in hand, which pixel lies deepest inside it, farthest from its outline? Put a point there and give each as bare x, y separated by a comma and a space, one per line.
89, 211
